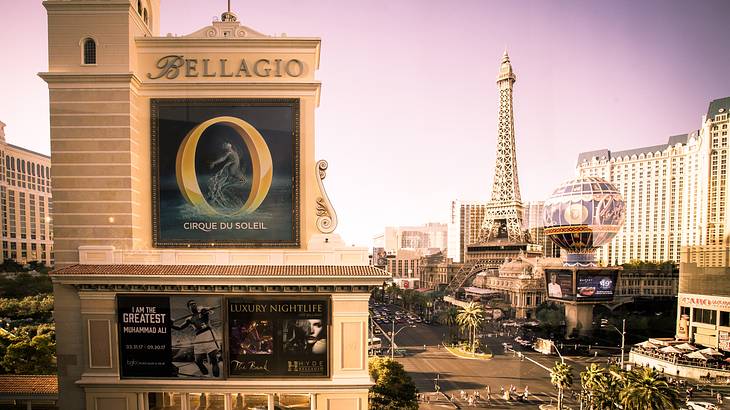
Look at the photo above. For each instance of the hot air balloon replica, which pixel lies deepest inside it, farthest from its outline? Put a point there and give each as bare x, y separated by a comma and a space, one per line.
580, 216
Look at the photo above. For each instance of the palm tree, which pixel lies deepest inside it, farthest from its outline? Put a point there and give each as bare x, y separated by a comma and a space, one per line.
471, 317
448, 318
647, 389
596, 382
561, 376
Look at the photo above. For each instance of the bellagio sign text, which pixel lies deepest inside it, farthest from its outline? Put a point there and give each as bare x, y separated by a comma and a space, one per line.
172, 66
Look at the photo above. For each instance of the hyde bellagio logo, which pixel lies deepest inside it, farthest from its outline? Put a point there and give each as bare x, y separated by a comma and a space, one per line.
305, 366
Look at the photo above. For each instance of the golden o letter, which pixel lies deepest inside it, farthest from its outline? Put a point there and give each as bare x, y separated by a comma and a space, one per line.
187, 179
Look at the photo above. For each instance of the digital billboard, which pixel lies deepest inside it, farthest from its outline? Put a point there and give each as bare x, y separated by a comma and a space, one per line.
588, 284
225, 172
277, 337
170, 336
595, 284
560, 284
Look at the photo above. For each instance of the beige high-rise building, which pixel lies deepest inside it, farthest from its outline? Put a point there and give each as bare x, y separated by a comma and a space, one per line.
464, 227
428, 238
25, 199
535, 227
197, 264
676, 193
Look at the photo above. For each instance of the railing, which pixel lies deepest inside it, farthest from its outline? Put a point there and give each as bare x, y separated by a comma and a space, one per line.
678, 359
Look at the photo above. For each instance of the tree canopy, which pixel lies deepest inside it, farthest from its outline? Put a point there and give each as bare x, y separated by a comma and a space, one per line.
393, 389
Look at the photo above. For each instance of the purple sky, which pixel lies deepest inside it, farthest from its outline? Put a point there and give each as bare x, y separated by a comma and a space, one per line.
408, 114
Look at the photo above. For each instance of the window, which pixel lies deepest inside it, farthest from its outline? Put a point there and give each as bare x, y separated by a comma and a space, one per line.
146, 20
89, 51
139, 7
705, 316
724, 318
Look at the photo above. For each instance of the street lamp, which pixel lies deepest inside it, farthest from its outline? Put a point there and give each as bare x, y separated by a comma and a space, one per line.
605, 324
558, 352
393, 334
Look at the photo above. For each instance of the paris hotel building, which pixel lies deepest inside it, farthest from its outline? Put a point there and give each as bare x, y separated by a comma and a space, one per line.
285, 302
676, 193
25, 202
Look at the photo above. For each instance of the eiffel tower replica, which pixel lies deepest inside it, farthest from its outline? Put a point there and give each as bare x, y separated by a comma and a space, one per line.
502, 235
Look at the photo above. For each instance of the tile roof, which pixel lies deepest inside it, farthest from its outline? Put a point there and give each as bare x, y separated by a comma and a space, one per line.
607, 154
274, 271
28, 384
716, 105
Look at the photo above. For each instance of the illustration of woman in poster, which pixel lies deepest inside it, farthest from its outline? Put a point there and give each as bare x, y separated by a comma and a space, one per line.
230, 175
205, 344
308, 336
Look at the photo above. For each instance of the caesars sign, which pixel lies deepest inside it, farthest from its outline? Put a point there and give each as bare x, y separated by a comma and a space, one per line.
225, 172
210, 337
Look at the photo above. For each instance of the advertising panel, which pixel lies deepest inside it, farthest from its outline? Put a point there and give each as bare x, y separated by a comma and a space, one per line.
380, 258
277, 337
723, 341
225, 172
595, 285
170, 336
560, 284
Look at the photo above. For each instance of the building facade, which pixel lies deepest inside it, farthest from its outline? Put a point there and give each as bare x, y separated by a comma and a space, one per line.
404, 266
646, 284
521, 284
196, 264
428, 238
26, 202
703, 312
437, 270
676, 193
464, 227
535, 228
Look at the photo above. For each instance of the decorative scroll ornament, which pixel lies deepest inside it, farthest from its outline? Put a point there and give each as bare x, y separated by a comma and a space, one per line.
326, 216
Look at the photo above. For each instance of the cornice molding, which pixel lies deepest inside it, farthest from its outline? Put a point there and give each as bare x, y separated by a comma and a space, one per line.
89, 78
266, 42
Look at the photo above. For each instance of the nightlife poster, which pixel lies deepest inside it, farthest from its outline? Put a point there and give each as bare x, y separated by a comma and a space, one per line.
225, 172
170, 337
277, 337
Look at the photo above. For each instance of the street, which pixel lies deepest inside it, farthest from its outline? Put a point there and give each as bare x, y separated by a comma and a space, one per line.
455, 374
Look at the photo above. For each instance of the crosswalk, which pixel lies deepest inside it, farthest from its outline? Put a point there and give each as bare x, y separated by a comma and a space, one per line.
439, 401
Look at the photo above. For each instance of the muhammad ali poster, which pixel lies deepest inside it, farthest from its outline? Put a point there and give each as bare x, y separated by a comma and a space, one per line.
278, 337
225, 172
170, 336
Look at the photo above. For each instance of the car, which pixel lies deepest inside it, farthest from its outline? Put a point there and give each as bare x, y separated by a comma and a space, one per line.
701, 405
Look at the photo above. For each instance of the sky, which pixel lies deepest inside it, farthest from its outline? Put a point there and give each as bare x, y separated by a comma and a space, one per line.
408, 112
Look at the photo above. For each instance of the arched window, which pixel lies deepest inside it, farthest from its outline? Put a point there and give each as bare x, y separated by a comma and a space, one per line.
139, 7
89, 51
146, 21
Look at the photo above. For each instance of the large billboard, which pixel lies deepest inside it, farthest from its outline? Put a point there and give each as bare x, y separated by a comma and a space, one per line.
170, 336
278, 337
581, 285
595, 285
225, 172
211, 337
560, 284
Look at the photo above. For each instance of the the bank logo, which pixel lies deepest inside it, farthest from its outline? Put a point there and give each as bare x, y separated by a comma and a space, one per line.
222, 187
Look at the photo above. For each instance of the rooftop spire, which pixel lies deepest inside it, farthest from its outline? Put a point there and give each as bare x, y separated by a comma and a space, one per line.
228, 15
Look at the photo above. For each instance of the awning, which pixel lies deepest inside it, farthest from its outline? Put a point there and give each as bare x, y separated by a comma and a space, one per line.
481, 291
670, 349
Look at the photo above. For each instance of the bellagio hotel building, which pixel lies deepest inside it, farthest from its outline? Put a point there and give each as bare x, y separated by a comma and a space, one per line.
676, 193
25, 200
